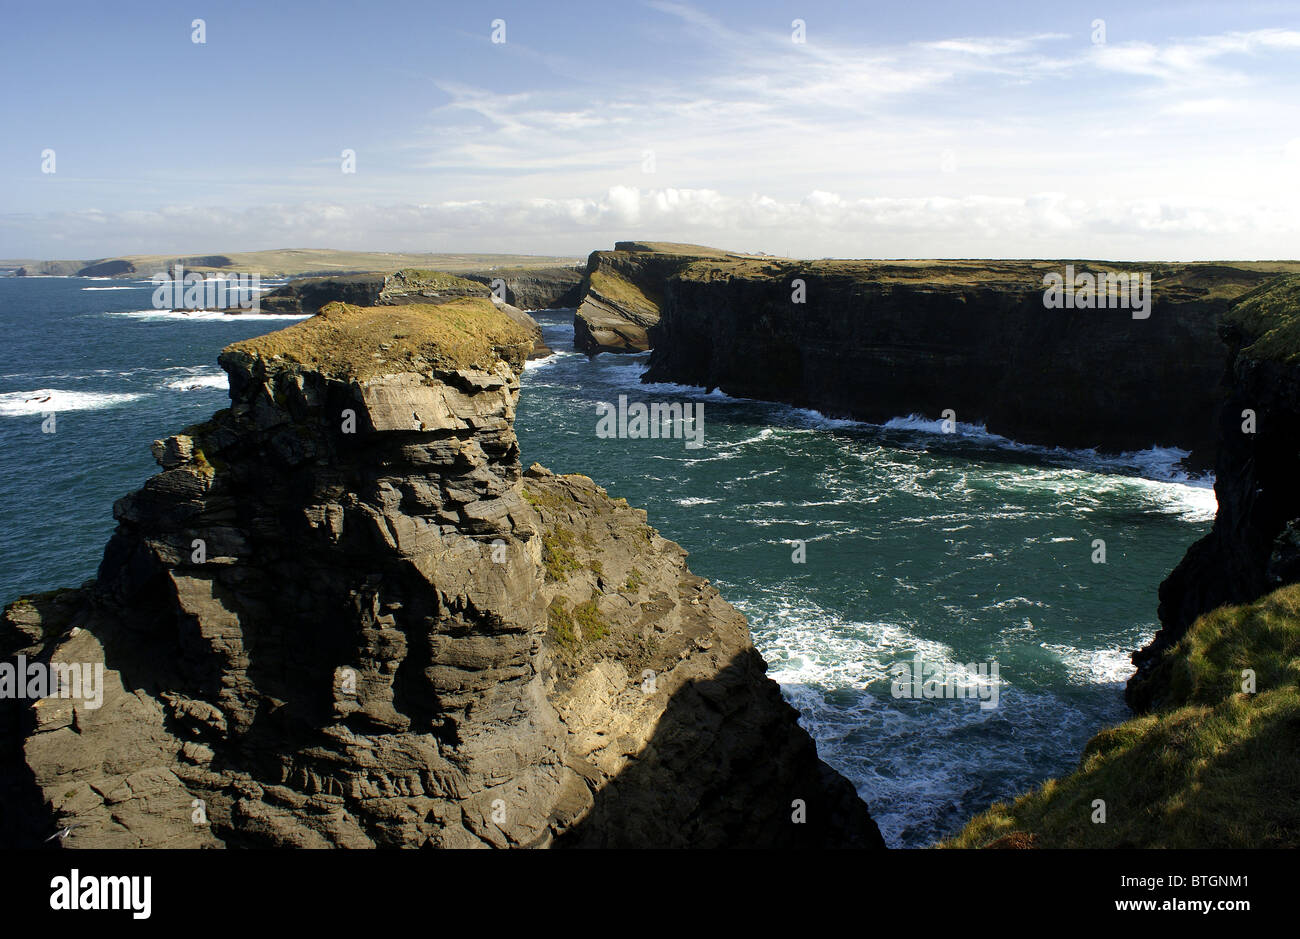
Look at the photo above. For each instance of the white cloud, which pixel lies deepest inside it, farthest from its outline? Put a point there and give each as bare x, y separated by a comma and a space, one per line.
1049, 224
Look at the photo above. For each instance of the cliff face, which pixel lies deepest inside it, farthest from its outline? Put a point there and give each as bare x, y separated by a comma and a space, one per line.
122, 267
309, 294
1254, 546
543, 288
622, 294
877, 340
341, 615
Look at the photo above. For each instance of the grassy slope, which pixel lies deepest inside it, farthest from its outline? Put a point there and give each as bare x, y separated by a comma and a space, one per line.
1271, 315
614, 287
1213, 767
341, 339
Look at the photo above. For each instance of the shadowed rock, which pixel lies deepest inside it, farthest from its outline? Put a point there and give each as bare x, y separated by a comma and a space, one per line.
340, 616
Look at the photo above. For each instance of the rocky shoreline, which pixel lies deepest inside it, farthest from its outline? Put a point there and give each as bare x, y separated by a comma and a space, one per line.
342, 615
875, 340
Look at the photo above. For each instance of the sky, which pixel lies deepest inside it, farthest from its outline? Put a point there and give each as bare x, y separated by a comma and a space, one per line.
947, 129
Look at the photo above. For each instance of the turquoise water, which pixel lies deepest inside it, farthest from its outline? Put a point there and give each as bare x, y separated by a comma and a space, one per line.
961, 548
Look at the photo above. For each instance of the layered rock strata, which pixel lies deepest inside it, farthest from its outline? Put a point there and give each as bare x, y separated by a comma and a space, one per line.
342, 616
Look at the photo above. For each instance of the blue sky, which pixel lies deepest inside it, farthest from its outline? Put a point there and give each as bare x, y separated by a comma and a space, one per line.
894, 130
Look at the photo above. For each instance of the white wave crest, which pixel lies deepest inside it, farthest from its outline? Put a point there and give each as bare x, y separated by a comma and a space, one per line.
198, 382
52, 400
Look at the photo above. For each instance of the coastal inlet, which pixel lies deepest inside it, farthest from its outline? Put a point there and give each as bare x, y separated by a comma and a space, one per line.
958, 548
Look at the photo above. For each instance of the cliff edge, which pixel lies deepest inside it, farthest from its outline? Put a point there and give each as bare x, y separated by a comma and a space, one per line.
876, 340
1254, 545
343, 616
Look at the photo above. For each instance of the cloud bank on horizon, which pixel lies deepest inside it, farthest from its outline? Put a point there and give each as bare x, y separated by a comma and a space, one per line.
799, 129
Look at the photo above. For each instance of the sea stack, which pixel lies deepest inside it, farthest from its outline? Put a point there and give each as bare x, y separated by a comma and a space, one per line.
343, 615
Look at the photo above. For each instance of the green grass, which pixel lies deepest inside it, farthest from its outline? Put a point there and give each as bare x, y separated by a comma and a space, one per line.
561, 623
547, 499
557, 554
635, 580
584, 624
1213, 767
621, 291
1206, 666
1269, 316
594, 626
342, 339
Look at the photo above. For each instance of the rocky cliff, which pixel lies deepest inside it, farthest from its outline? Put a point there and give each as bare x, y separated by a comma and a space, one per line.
342, 615
876, 340
622, 293
1254, 546
525, 288
309, 294
123, 267
543, 288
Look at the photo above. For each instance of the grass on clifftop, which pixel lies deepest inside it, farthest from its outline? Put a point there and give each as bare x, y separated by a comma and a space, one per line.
344, 340
1215, 767
419, 279
1270, 314
622, 291
1206, 281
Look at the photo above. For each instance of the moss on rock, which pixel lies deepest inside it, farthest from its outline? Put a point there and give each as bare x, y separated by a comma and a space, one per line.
346, 341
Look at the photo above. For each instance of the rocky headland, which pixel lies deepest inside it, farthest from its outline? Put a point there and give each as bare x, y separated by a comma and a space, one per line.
343, 615
874, 340
623, 292
533, 271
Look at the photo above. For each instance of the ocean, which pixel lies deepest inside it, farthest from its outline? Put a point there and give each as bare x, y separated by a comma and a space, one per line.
852, 548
